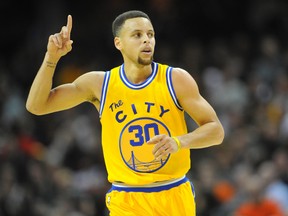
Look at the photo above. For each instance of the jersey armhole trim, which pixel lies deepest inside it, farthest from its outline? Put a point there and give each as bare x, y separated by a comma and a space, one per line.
104, 92
171, 88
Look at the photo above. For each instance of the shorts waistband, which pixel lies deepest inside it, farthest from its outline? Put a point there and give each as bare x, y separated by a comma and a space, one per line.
150, 188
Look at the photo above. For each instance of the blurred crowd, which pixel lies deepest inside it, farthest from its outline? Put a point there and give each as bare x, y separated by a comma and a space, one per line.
237, 51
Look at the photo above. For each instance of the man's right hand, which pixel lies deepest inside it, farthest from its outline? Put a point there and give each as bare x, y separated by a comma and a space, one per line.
60, 44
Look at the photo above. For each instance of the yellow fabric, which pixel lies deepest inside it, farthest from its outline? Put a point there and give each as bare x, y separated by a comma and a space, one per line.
130, 116
178, 201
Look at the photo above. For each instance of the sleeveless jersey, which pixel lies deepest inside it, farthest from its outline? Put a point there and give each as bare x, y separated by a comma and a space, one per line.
130, 115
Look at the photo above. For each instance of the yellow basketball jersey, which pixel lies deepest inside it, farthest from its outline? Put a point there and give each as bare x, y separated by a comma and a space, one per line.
131, 114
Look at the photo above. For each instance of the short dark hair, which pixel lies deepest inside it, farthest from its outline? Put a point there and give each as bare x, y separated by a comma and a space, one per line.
120, 20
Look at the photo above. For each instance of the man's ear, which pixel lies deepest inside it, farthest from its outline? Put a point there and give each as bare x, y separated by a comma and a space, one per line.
117, 43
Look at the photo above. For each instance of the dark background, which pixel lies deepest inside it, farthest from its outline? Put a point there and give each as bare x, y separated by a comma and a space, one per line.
235, 50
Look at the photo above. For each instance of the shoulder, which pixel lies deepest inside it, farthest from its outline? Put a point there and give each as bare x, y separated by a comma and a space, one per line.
182, 77
96, 77
91, 82
90, 78
184, 84
176, 72
180, 72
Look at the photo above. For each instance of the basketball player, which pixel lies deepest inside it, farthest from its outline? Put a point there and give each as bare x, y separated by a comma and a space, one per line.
141, 105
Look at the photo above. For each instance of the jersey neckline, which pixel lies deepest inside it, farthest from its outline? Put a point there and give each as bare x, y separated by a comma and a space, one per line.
141, 85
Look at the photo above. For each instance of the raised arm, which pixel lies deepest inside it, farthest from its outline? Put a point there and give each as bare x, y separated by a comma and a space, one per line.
42, 99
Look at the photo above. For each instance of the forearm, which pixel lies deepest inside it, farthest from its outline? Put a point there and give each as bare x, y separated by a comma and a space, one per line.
204, 136
41, 86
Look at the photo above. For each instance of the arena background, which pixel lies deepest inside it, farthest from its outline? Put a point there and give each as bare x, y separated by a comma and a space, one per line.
236, 50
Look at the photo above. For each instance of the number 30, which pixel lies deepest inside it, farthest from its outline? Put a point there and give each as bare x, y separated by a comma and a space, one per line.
141, 138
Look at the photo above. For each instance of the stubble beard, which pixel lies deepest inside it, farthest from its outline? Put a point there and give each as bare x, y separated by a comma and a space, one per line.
145, 62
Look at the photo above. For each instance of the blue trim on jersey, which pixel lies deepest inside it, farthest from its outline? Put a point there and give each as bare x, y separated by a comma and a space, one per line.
149, 189
141, 85
193, 189
171, 88
104, 91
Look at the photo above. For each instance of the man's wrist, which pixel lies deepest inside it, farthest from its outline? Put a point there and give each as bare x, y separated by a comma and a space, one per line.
50, 60
177, 142
50, 64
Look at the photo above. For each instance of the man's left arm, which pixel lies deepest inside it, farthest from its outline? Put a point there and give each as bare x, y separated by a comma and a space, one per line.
210, 130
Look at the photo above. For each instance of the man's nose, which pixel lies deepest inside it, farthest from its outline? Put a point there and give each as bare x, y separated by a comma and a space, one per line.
146, 38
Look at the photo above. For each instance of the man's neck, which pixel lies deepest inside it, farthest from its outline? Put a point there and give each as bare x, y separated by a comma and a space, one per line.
137, 73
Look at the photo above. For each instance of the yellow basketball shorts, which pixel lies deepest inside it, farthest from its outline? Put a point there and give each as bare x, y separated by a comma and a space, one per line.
174, 199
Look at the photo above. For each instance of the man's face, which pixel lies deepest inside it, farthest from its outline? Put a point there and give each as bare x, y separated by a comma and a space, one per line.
136, 41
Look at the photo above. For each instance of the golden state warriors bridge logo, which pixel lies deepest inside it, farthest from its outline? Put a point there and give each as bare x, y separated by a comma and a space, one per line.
135, 151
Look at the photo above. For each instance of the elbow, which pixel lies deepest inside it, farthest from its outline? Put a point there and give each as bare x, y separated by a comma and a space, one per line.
220, 134
32, 109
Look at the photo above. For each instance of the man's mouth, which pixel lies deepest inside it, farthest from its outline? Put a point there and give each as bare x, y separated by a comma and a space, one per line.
147, 50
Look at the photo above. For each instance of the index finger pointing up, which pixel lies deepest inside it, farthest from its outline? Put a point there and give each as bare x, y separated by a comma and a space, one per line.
69, 25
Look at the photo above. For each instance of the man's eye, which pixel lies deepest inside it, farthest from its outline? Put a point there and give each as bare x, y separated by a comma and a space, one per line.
150, 35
